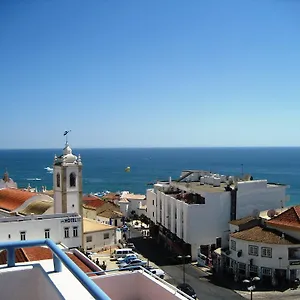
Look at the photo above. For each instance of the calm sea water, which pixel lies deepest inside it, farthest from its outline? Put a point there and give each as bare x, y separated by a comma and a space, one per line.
104, 169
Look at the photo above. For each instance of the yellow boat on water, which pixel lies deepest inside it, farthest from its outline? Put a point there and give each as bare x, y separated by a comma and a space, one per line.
127, 169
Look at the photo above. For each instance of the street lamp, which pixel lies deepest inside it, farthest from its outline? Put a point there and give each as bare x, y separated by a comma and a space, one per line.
251, 286
183, 257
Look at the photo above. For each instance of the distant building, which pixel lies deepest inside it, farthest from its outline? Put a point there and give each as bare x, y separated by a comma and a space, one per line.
193, 212
7, 182
109, 213
97, 235
15, 200
132, 204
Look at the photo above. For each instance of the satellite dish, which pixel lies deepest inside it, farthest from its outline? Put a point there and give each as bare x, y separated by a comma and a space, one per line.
255, 213
271, 213
247, 177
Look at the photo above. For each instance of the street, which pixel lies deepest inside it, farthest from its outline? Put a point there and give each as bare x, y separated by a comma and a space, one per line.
195, 277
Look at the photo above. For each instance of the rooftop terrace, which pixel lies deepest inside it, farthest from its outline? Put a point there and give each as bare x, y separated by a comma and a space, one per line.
59, 278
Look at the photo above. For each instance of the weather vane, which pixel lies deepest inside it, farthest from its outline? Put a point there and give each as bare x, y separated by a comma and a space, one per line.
66, 135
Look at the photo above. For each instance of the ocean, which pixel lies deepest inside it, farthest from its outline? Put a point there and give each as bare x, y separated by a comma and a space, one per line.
104, 169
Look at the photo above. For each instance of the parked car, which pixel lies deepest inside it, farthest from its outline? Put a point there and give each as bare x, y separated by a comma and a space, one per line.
136, 262
127, 258
187, 289
158, 272
131, 246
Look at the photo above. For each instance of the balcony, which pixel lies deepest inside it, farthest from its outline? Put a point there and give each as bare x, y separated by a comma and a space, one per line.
60, 278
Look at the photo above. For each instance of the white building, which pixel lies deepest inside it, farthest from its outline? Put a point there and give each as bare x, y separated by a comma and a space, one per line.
194, 211
130, 203
61, 228
7, 182
97, 235
269, 249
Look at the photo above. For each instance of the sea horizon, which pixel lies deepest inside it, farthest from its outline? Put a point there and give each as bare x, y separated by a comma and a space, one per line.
104, 168
156, 147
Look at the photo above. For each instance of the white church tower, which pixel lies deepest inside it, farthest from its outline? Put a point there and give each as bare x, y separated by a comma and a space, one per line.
67, 182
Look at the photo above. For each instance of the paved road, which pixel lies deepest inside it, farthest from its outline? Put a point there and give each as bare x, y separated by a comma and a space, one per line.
194, 276
201, 284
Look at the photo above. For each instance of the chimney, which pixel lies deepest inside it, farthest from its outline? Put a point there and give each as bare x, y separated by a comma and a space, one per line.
282, 235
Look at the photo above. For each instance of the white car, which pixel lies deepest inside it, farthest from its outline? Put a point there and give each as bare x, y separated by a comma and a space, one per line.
134, 263
158, 272
127, 258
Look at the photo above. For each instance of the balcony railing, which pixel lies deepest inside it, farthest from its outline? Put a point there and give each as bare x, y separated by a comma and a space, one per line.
59, 257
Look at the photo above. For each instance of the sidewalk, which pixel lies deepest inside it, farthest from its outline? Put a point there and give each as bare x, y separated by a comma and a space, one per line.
270, 295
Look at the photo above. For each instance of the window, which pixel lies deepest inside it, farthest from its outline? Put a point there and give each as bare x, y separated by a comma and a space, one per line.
58, 180
153, 214
89, 239
67, 233
253, 250
253, 269
266, 252
75, 231
233, 245
106, 236
266, 271
152, 202
23, 235
47, 233
72, 180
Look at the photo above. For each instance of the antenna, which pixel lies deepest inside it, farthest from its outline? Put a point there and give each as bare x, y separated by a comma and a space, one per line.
271, 213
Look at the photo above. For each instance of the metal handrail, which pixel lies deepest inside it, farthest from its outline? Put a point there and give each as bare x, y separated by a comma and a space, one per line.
59, 257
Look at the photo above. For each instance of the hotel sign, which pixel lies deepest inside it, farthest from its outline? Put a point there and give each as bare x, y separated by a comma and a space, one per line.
295, 263
71, 220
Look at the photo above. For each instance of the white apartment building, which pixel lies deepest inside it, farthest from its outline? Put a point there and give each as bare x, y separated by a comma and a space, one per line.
132, 203
194, 211
61, 228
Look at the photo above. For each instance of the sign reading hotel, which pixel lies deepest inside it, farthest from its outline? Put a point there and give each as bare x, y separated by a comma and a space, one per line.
71, 220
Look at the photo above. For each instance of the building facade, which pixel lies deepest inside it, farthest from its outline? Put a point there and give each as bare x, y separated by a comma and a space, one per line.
61, 228
98, 236
194, 211
257, 248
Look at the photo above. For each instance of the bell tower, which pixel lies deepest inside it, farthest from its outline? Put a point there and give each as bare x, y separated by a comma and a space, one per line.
67, 182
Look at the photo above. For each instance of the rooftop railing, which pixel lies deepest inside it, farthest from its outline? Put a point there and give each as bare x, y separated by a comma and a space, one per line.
144, 270
59, 258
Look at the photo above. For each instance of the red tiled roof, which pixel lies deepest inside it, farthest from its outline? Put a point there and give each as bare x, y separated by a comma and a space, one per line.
19, 256
289, 218
41, 253
92, 201
11, 199
264, 235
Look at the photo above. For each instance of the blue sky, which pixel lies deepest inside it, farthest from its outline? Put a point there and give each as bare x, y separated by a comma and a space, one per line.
149, 73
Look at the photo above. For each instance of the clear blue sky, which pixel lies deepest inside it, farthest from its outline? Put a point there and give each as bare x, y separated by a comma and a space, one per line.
149, 73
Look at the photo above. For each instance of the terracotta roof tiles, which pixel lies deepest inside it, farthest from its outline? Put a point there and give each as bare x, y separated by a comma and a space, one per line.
264, 235
92, 201
242, 221
288, 219
11, 199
